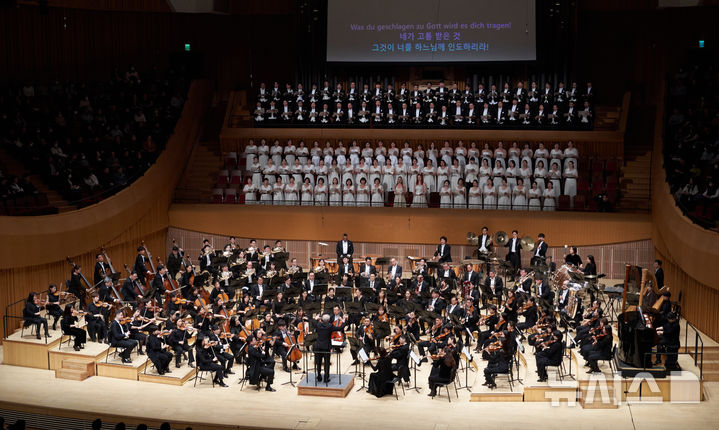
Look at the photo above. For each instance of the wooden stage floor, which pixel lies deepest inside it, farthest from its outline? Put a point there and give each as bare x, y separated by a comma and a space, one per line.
37, 391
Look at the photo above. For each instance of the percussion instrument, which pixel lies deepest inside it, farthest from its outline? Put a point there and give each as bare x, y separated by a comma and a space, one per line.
500, 238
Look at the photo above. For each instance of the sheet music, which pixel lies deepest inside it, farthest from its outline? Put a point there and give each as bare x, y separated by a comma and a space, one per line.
363, 355
415, 358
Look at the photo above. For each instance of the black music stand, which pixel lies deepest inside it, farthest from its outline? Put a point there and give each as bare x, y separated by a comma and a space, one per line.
344, 294
382, 261
416, 362
319, 290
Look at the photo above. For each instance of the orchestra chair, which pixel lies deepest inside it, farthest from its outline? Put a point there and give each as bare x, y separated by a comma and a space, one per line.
115, 349
395, 381
561, 371
67, 341
198, 375
246, 377
610, 360
33, 328
452, 381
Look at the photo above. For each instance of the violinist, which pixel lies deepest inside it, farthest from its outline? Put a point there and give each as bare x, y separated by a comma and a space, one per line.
128, 288
31, 314
438, 338
413, 325
207, 361
400, 355
511, 306
221, 347
498, 360
489, 320
71, 327
470, 320
544, 331
600, 347
394, 288
363, 339
529, 311
283, 343
408, 302
175, 261
382, 299
96, 327
381, 325
549, 353
105, 291
589, 324
178, 341
158, 284
120, 338
75, 287
443, 367
160, 357
138, 325
260, 364
53, 304
380, 381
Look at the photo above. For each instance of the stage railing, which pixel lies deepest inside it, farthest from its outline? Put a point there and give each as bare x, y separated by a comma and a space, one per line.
698, 347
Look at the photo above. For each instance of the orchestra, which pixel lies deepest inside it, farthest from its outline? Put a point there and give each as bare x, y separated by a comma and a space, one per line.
241, 309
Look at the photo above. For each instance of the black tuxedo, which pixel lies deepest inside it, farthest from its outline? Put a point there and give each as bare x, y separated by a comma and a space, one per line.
488, 294
472, 277
398, 271
659, 274
447, 275
444, 254
539, 253
514, 255
437, 305
347, 269
98, 276
341, 254
140, 267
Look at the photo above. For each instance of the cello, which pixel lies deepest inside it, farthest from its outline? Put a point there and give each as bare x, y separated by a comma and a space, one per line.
149, 276
293, 354
112, 271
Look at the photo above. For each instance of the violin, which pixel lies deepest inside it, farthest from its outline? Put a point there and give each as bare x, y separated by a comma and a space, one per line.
440, 337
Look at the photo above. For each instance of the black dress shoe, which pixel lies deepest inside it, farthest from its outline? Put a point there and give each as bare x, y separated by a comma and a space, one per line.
76, 348
295, 367
126, 361
221, 384
326, 380
177, 365
319, 376
270, 389
141, 352
423, 360
432, 393
191, 364
230, 372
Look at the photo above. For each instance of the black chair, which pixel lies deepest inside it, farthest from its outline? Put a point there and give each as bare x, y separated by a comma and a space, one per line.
198, 375
453, 381
561, 372
395, 381
610, 360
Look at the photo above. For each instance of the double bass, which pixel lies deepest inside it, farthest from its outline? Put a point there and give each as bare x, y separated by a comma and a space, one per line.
138, 287
112, 271
90, 288
149, 276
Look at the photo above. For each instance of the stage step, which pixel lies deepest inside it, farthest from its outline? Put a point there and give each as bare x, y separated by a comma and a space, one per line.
496, 397
710, 375
79, 364
73, 374
597, 402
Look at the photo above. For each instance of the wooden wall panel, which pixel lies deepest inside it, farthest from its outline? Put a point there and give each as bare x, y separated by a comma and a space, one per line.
610, 258
34, 250
602, 143
405, 225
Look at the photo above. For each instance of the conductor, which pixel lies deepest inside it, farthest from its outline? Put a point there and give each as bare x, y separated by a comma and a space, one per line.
324, 330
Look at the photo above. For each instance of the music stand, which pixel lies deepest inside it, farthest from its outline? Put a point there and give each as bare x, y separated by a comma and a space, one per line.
416, 362
319, 290
364, 359
468, 358
292, 292
343, 293
311, 308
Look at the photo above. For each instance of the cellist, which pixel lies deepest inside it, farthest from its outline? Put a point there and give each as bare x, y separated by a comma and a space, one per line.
283, 343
